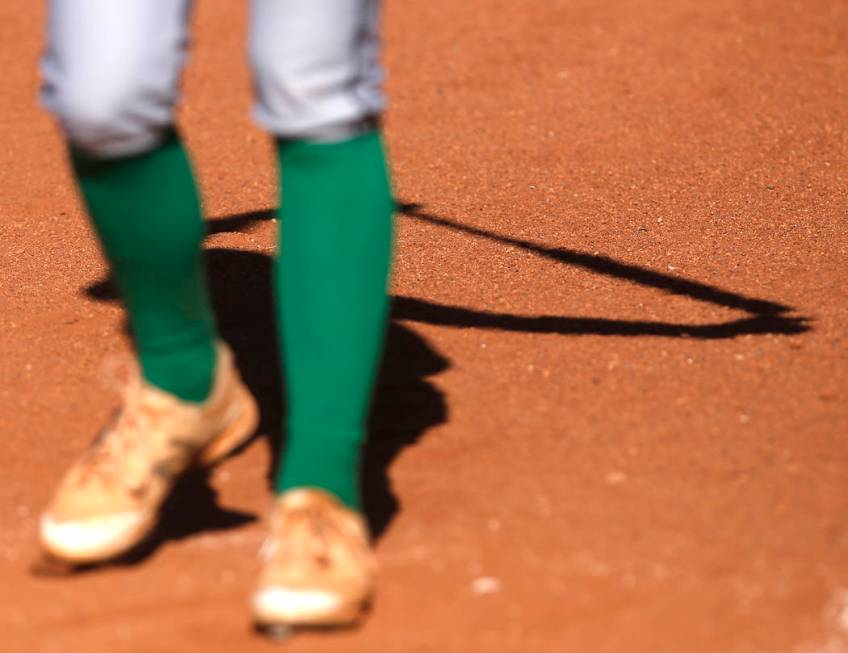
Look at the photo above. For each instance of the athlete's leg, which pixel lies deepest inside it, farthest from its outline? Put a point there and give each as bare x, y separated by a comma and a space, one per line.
318, 83
111, 77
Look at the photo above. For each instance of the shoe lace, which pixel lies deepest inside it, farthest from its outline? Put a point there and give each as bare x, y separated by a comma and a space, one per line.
123, 451
306, 534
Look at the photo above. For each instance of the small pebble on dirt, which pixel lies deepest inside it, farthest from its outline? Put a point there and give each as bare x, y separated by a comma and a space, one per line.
616, 478
485, 585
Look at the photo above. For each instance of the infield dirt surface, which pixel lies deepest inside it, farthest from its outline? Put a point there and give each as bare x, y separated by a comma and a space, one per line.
614, 409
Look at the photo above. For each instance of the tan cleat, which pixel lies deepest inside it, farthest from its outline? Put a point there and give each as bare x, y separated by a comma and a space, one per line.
110, 499
319, 568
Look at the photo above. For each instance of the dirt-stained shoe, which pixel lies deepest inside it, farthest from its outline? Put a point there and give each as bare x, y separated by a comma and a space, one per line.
319, 569
110, 499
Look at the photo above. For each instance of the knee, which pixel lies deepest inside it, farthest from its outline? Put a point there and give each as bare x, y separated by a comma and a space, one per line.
108, 119
310, 93
288, 75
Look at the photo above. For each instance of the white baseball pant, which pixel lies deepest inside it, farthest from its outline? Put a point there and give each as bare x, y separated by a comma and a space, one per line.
112, 68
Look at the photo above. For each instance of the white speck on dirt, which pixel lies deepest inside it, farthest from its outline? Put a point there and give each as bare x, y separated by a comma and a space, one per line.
615, 478
485, 585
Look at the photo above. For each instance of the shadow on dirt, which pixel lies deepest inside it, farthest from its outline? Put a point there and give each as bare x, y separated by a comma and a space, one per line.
763, 316
406, 402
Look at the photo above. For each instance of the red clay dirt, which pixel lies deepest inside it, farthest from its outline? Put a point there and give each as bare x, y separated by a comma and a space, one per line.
615, 406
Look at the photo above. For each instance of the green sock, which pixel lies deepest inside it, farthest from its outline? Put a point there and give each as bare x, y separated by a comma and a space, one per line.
146, 212
331, 278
